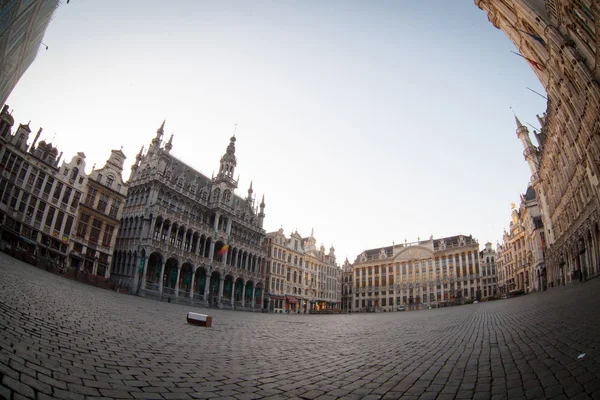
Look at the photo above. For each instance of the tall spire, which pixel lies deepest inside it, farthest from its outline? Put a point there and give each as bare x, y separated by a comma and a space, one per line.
228, 164
169, 144
519, 124
161, 131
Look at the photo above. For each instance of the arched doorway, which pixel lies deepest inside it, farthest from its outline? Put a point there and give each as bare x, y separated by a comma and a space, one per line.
185, 280
155, 264
248, 294
170, 277
239, 288
200, 283
213, 294
228, 289
258, 295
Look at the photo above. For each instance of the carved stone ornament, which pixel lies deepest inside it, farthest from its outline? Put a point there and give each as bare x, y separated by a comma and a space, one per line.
382, 254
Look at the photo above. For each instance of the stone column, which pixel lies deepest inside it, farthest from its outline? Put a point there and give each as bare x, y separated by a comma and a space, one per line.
221, 284
207, 289
160, 281
243, 294
211, 251
192, 283
177, 281
169, 233
246, 262
253, 294
262, 294
136, 284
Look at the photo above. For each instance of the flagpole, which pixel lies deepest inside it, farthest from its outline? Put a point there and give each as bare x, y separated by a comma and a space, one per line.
542, 96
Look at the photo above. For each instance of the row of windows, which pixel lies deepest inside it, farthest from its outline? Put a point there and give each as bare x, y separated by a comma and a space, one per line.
102, 202
31, 206
95, 229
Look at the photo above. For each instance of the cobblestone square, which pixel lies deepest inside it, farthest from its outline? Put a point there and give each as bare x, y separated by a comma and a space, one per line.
63, 339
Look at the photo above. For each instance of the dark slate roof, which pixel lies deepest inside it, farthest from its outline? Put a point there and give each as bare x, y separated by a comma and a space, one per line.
454, 240
389, 250
530, 194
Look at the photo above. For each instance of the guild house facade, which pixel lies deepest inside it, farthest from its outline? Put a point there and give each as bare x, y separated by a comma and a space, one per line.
434, 272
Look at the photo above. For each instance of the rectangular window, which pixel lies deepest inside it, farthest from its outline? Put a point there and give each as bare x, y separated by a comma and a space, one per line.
31, 177
5, 157
40, 212
67, 195
50, 216
57, 190
40, 180
95, 232
108, 231
16, 166
91, 197
68, 225
49, 184
31, 209
15, 197
109, 181
114, 208
84, 219
76, 198
59, 221
23, 203
102, 203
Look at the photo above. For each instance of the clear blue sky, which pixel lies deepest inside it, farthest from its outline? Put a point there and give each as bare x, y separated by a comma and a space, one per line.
371, 122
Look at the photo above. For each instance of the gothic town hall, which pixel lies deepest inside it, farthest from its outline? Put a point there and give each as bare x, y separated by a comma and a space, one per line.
189, 238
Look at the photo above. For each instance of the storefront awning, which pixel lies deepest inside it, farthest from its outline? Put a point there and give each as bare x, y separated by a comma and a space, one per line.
276, 297
292, 299
27, 240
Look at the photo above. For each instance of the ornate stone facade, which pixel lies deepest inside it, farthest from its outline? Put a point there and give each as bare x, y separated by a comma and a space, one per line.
300, 277
188, 237
39, 197
559, 39
434, 272
489, 278
99, 216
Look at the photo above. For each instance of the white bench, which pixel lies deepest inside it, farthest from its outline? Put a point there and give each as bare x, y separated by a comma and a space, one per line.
199, 319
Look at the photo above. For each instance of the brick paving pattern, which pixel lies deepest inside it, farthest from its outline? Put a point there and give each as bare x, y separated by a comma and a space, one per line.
62, 339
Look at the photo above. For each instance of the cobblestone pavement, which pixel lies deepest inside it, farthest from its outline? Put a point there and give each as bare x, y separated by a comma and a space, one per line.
63, 339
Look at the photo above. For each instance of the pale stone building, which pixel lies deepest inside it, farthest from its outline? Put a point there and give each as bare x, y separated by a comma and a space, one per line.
99, 216
190, 238
489, 277
434, 272
39, 196
347, 289
300, 277
559, 40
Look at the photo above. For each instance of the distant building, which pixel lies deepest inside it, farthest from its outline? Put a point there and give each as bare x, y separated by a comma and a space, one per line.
300, 277
435, 272
347, 286
489, 278
559, 39
189, 237
38, 199
22, 27
99, 216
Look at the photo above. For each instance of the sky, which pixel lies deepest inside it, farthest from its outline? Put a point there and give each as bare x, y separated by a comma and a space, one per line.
370, 122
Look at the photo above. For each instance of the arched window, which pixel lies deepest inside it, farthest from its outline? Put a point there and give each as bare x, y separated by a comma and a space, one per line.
74, 173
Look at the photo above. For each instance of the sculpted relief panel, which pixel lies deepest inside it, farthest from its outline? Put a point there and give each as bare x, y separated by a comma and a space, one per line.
414, 253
